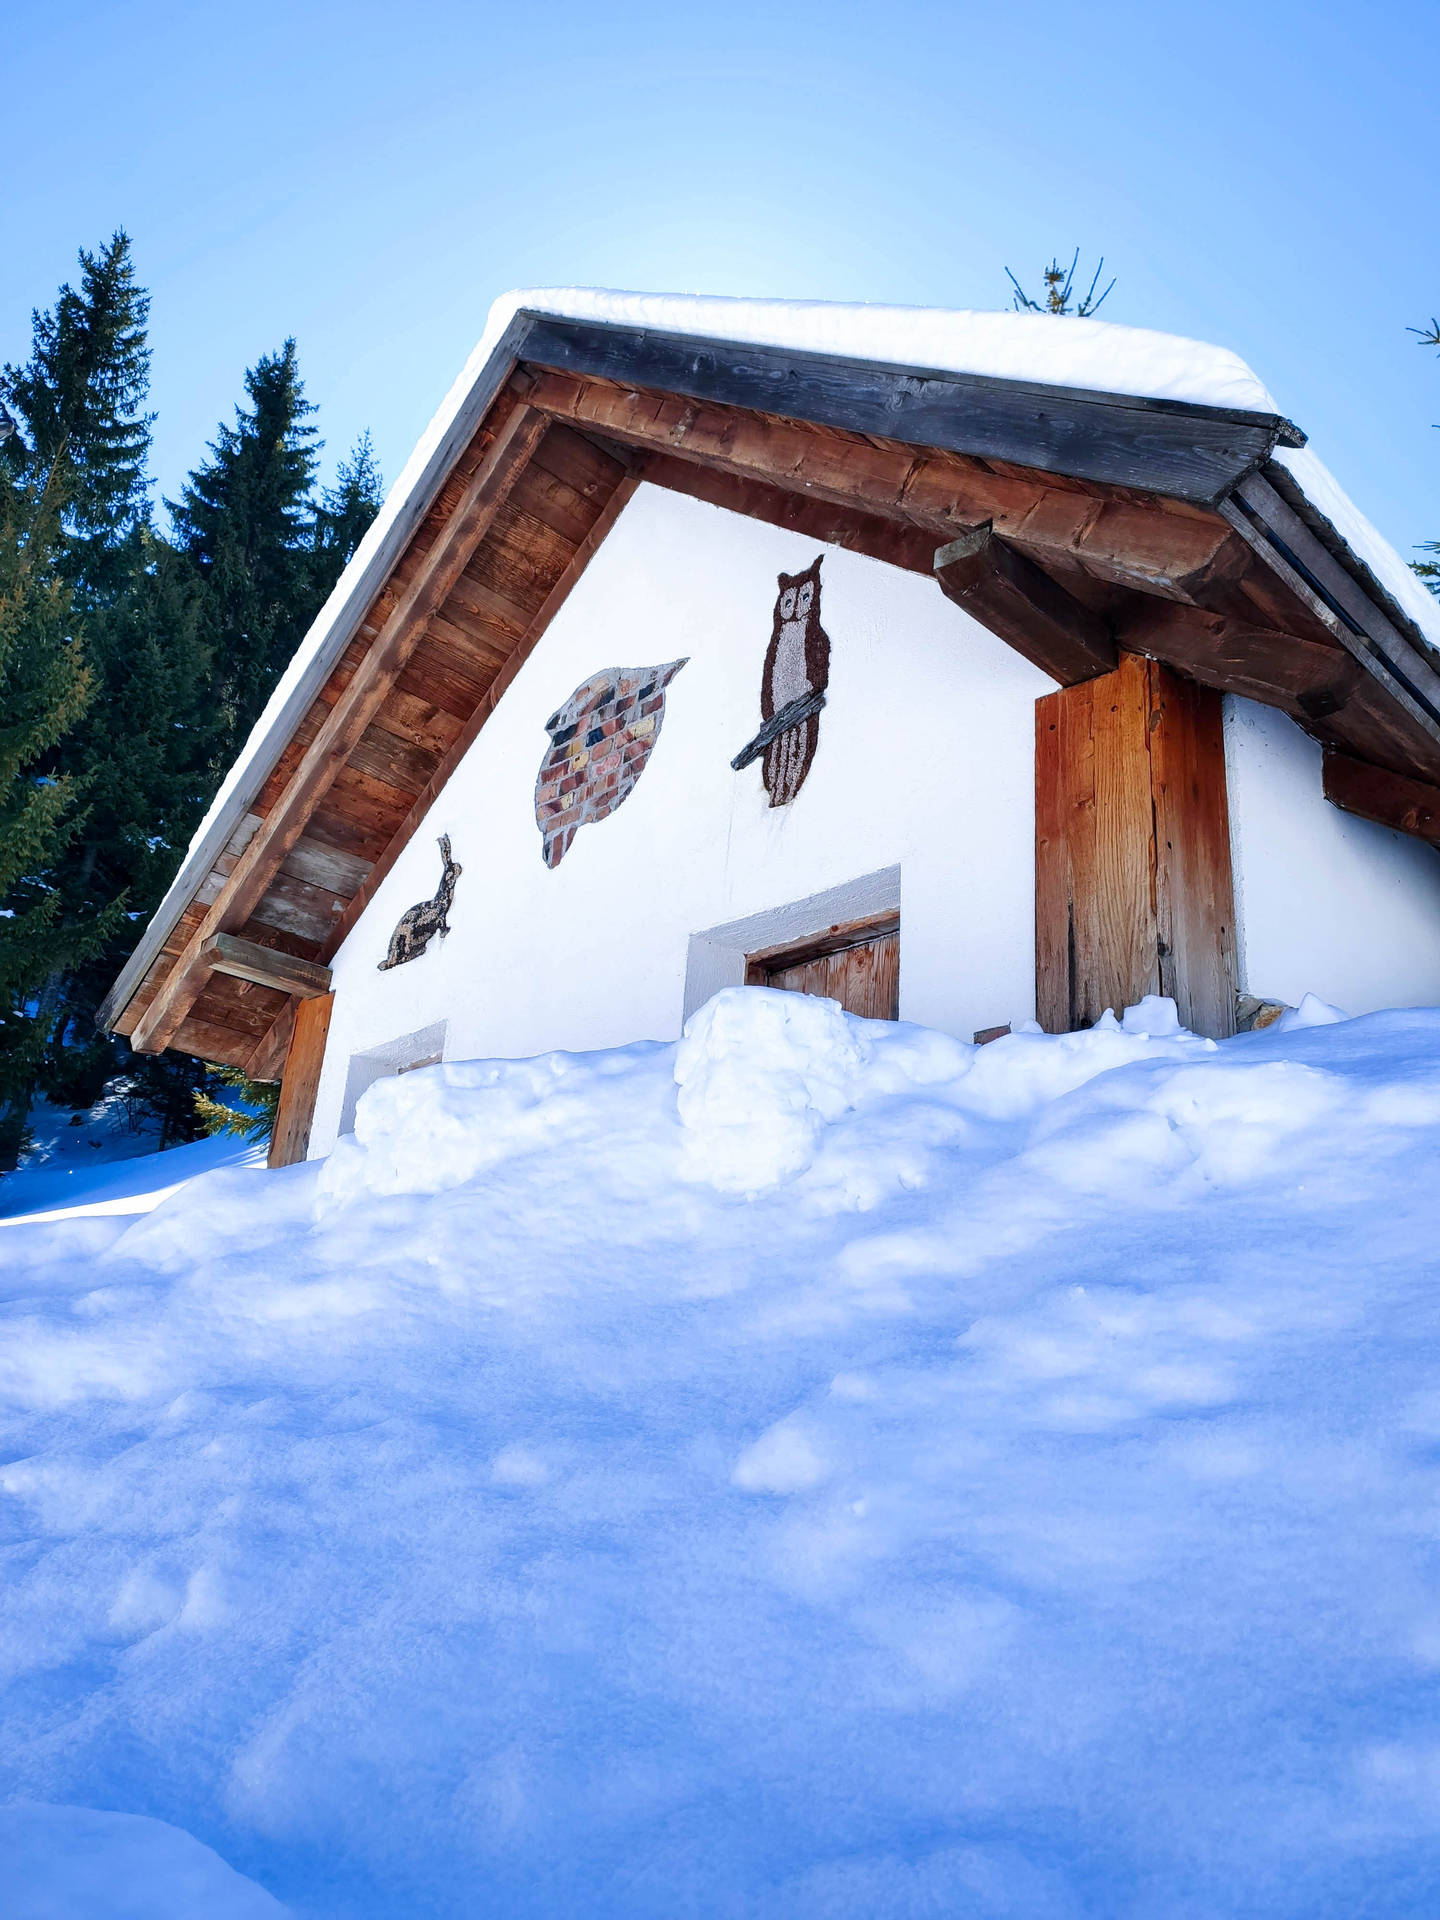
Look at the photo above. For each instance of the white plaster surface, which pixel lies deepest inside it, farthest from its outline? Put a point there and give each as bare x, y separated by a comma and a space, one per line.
1325, 903
925, 764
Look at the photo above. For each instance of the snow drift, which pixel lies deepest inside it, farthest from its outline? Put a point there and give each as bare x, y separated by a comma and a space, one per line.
816, 1469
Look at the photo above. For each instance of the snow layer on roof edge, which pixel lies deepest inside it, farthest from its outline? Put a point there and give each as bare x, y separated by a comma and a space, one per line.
1365, 541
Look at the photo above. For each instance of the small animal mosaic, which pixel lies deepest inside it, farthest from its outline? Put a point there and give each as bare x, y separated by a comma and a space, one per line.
419, 924
792, 688
600, 741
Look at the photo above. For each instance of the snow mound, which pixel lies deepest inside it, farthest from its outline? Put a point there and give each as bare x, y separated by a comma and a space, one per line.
75, 1863
1006, 1486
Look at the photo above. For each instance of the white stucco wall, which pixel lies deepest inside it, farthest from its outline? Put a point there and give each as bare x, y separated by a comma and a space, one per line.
1324, 903
925, 764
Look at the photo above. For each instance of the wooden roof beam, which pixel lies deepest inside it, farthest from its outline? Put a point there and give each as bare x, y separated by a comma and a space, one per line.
515, 440
1389, 799
1019, 601
265, 966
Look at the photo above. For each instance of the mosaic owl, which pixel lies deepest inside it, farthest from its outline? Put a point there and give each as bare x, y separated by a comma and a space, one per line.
599, 743
796, 674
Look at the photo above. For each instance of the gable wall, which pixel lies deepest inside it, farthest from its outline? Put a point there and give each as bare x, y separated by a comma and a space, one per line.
1324, 902
925, 762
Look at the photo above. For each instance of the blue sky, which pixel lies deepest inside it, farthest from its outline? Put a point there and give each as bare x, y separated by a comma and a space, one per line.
369, 177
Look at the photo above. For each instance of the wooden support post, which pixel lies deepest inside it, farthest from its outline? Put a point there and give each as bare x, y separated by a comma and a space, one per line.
301, 1081
1133, 889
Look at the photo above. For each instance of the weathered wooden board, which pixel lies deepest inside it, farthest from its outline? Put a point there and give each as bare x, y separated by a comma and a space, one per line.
300, 1081
1172, 447
266, 966
858, 965
1133, 891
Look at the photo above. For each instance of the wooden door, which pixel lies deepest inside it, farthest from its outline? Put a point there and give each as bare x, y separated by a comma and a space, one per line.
858, 965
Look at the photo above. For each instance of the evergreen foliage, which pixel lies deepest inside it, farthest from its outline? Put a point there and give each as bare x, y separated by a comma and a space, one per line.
252, 1119
133, 662
247, 523
44, 687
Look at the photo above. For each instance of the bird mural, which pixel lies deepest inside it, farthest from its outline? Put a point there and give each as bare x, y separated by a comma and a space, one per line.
600, 741
792, 688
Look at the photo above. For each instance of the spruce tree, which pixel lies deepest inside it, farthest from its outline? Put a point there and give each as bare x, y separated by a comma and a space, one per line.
345, 511
44, 687
133, 760
246, 523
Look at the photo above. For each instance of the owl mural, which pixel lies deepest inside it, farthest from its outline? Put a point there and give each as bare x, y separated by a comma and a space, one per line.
599, 743
792, 688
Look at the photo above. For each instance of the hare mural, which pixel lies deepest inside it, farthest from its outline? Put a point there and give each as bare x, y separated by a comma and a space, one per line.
421, 923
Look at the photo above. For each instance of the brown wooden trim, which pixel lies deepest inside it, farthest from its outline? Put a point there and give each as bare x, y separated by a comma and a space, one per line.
1389, 799
267, 1061
1014, 598
470, 732
836, 939
346, 722
1133, 888
893, 541
301, 1081
266, 966
1154, 545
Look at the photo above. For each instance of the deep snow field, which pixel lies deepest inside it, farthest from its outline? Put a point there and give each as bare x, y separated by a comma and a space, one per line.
823, 1470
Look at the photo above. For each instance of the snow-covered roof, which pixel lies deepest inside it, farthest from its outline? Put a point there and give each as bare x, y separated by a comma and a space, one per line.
1079, 356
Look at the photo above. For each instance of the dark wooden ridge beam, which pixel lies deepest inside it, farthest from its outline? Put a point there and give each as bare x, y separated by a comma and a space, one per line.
1171, 447
514, 442
1389, 799
1022, 604
266, 966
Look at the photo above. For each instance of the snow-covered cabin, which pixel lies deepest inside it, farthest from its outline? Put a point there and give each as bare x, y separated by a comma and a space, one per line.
969, 667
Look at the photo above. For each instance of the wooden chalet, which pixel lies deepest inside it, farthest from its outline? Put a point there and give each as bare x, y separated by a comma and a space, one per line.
1149, 555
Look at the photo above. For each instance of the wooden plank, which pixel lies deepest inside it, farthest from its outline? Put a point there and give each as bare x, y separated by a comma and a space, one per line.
1307, 680
320, 865
559, 593
386, 756
1194, 888
881, 538
1389, 799
1133, 891
300, 1081
346, 721
267, 1061
1157, 446
266, 966
209, 1040
1018, 600
1348, 609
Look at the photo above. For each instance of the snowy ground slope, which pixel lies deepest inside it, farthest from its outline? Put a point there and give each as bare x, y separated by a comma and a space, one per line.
823, 1470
